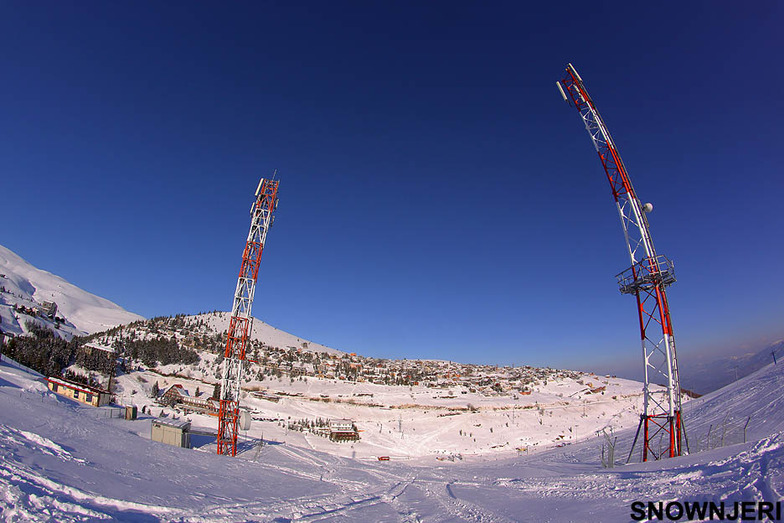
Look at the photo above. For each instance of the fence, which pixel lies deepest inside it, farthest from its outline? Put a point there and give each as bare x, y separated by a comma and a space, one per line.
109, 412
727, 432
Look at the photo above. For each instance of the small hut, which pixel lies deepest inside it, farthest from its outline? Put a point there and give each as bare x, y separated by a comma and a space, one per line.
171, 431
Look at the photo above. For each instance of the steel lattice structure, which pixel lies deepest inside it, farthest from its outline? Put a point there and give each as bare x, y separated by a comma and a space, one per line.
241, 323
646, 279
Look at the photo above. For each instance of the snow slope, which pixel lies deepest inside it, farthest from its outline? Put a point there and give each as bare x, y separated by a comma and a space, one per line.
23, 284
265, 333
66, 462
417, 421
28, 286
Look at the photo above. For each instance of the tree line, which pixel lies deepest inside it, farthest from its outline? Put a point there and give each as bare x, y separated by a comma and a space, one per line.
45, 352
154, 351
42, 351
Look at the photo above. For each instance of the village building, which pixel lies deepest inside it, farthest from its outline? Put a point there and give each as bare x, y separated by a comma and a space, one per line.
93, 347
79, 392
343, 430
178, 395
265, 395
203, 402
171, 432
49, 308
172, 396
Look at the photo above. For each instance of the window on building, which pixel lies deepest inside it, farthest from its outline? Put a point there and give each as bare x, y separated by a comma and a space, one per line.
76, 395
54, 387
88, 398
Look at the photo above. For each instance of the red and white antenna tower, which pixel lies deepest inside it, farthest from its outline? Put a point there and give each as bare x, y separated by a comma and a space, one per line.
241, 323
646, 279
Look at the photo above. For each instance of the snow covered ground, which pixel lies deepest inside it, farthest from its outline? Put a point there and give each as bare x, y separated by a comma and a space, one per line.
455, 454
416, 421
66, 462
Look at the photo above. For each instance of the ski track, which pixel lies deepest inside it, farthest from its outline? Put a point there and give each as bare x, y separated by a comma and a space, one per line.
28, 492
45, 473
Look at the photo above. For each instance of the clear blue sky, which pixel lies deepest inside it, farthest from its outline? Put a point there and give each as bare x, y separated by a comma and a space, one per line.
438, 199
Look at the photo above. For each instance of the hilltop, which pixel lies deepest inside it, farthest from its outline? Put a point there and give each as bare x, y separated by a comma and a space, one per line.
27, 295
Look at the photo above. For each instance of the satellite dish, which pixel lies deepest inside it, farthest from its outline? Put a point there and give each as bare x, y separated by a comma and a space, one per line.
648, 207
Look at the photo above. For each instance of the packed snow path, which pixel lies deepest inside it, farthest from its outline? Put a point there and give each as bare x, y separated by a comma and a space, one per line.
64, 462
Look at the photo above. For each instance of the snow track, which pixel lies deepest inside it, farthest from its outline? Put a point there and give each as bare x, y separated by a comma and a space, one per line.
28, 493
60, 462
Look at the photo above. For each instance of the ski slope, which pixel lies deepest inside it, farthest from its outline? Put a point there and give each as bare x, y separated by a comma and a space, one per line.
66, 462
410, 421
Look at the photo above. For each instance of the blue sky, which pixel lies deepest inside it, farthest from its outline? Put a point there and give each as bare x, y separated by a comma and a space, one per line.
438, 199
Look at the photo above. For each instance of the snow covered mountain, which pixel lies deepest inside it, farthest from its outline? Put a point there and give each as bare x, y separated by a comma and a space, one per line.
411, 407
462, 448
62, 461
264, 333
26, 288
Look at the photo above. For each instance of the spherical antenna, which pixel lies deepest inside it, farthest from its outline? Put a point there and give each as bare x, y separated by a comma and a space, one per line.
648, 207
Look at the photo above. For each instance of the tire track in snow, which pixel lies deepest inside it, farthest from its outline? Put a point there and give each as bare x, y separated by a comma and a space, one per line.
459, 508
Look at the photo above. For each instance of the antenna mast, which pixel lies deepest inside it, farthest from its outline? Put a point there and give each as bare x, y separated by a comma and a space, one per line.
646, 279
241, 324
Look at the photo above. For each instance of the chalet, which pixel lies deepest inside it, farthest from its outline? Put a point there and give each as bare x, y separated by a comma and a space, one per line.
343, 430
172, 396
178, 395
79, 392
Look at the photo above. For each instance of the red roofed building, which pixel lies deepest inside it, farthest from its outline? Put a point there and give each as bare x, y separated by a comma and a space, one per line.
79, 392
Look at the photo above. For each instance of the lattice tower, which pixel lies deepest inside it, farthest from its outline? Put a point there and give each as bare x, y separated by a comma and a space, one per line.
646, 279
241, 323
